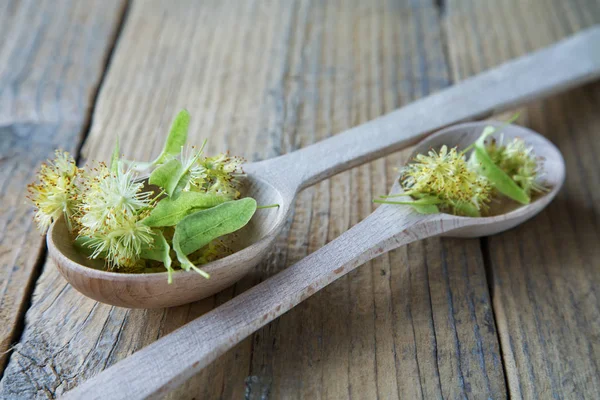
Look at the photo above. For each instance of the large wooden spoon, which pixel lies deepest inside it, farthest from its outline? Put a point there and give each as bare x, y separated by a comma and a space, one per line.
564, 65
169, 361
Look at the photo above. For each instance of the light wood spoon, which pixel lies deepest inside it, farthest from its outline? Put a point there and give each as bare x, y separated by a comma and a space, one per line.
169, 361
564, 65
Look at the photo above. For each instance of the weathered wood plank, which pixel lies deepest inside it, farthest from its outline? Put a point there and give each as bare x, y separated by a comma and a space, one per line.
260, 79
545, 273
52, 56
343, 342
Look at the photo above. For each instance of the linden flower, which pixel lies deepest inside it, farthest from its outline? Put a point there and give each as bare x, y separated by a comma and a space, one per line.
218, 174
445, 179
122, 244
57, 191
518, 161
112, 205
107, 196
189, 159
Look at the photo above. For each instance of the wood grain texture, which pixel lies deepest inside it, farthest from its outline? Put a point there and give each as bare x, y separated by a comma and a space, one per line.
545, 273
263, 79
52, 56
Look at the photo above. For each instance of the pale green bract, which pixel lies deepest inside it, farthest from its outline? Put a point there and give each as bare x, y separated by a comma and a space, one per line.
185, 262
424, 205
169, 177
175, 141
200, 228
159, 252
483, 164
168, 212
174, 175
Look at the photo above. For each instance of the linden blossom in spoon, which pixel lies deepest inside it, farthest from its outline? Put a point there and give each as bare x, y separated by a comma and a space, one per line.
114, 216
445, 181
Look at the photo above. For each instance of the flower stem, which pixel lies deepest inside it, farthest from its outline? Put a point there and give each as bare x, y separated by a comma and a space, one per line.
268, 206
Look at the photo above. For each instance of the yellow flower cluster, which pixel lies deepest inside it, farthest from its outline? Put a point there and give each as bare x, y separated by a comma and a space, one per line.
56, 192
104, 206
218, 174
109, 214
518, 161
446, 177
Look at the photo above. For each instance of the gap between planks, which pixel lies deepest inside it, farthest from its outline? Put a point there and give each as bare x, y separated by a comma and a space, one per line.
36, 271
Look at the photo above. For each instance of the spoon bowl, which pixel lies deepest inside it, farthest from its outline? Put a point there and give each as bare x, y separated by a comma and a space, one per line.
505, 214
249, 246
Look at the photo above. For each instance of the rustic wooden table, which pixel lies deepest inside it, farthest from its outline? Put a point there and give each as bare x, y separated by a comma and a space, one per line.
517, 314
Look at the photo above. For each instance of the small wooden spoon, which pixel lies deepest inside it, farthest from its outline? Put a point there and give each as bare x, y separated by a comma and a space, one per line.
169, 361
564, 65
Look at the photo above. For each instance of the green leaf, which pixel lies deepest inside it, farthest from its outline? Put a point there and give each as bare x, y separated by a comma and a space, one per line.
82, 245
198, 229
186, 264
426, 208
171, 176
168, 211
163, 175
114, 159
175, 141
424, 205
159, 252
177, 136
482, 162
181, 182
467, 209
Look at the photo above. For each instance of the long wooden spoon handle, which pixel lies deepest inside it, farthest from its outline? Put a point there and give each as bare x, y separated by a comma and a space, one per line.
564, 65
168, 362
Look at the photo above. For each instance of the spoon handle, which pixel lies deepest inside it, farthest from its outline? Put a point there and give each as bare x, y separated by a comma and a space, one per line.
564, 65
168, 362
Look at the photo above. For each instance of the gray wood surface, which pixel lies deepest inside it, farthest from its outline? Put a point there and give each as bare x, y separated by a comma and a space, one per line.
545, 274
362, 336
265, 78
52, 56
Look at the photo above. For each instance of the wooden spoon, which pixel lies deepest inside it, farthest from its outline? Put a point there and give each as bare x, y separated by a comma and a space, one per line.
564, 65
169, 361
